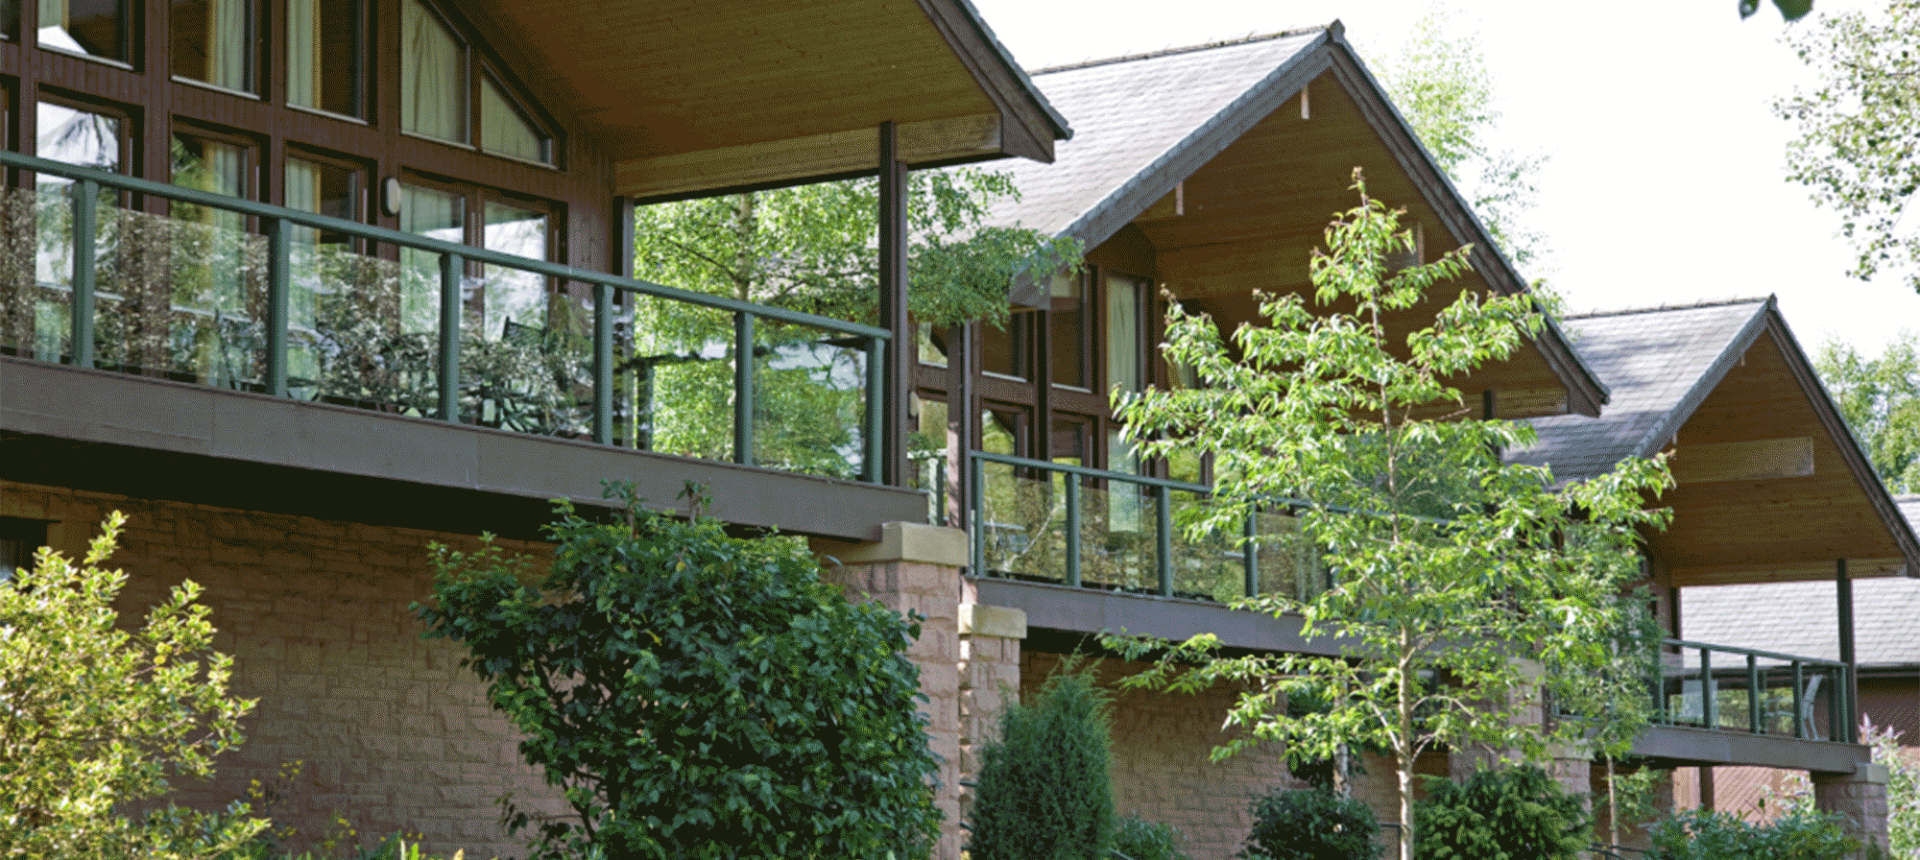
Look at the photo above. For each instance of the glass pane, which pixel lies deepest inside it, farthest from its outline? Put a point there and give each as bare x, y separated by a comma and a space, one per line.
932, 344
927, 451
511, 295
9, 20
503, 131
40, 313
1022, 522
1285, 562
1123, 333
97, 28
213, 41
433, 75
324, 40
1003, 350
1068, 331
323, 266
1117, 541
1067, 440
1209, 567
216, 271
682, 378
809, 400
439, 215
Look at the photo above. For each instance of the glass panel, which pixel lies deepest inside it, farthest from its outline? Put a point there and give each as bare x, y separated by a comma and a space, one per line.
1116, 553
809, 400
325, 272
1067, 439
9, 20
1068, 331
217, 272
39, 313
433, 75
1208, 567
97, 28
1124, 512
503, 131
932, 344
682, 378
1023, 516
324, 39
528, 361
1004, 350
213, 41
1123, 333
439, 215
1285, 561
927, 451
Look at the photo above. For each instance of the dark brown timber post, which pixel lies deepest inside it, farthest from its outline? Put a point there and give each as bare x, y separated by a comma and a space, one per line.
1845, 696
893, 307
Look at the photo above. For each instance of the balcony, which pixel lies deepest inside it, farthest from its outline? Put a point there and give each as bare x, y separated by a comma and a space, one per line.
240, 298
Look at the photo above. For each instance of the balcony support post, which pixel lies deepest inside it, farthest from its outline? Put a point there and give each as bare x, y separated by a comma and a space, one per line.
873, 423
279, 303
1753, 695
86, 226
1709, 692
1843, 698
451, 267
1073, 528
603, 323
743, 395
1250, 554
893, 305
1799, 700
1163, 538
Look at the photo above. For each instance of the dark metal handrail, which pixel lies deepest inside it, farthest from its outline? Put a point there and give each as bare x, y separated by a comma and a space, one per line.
1744, 667
278, 224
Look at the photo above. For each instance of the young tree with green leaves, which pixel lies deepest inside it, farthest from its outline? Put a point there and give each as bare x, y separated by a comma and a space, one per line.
1856, 151
1456, 576
1880, 398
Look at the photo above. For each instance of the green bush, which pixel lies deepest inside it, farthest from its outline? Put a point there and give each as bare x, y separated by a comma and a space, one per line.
697, 695
93, 716
1703, 834
1139, 839
1311, 824
1043, 791
1514, 814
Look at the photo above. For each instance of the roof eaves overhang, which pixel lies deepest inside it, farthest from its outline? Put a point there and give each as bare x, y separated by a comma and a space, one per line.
1586, 393
1657, 438
1039, 124
1100, 222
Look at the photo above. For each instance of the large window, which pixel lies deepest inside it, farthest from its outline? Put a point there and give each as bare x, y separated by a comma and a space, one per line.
1125, 371
215, 42
439, 79
96, 28
326, 40
1069, 342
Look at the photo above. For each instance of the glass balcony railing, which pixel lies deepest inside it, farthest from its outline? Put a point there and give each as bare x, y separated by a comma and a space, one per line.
235, 294
1723, 688
1091, 528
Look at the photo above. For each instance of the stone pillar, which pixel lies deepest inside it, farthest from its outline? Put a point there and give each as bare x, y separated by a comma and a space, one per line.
1861, 798
990, 638
916, 568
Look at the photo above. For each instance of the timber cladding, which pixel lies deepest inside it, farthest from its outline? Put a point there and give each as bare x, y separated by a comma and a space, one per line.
390, 732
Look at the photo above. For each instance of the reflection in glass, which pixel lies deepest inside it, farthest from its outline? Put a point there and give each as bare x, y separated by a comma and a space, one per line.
931, 344
324, 268
504, 131
324, 45
41, 315
96, 28
213, 41
213, 337
433, 75
1004, 349
1123, 333
511, 296
1067, 337
436, 214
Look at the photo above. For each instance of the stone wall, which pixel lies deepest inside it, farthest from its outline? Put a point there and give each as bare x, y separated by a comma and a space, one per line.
389, 733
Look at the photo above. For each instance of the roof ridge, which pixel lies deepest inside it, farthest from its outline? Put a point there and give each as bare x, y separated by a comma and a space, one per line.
1187, 49
1703, 303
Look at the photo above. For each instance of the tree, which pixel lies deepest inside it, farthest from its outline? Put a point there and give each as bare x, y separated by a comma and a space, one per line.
1441, 86
1880, 398
811, 248
93, 716
1857, 150
1511, 814
1790, 10
1456, 576
1043, 791
696, 695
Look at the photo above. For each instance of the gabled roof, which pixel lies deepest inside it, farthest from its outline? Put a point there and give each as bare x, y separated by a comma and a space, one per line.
1145, 124
1771, 483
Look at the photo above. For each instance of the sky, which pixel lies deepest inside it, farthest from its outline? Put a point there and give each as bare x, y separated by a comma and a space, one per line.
1665, 180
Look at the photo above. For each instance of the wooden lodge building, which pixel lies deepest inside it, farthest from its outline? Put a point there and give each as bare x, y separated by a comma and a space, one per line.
302, 285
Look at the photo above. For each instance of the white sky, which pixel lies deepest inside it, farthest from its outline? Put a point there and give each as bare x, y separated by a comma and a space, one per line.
1665, 180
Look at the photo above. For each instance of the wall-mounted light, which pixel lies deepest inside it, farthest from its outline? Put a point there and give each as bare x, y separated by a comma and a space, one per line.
390, 196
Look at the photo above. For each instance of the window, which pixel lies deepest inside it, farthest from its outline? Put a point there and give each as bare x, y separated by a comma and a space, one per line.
211, 334
1067, 439
9, 19
931, 344
94, 28
326, 40
438, 214
511, 296
323, 187
1123, 333
324, 265
1004, 350
438, 80
215, 42
19, 539
1069, 336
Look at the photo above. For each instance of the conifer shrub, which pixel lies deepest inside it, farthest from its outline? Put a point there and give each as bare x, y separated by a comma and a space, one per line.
1311, 824
1136, 838
1512, 814
1044, 791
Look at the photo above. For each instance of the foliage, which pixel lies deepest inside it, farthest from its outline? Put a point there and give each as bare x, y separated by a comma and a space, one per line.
1512, 814
1440, 84
1856, 151
1043, 791
1880, 398
1311, 824
93, 716
696, 695
1791, 10
1448, 563
1903, 789
1703, 834
1139, 839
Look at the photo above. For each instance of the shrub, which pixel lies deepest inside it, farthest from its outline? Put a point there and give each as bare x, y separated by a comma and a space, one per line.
1514, 814
93, 716
1311, 824
696, 695
1703, 834
1139, 839
1043, 791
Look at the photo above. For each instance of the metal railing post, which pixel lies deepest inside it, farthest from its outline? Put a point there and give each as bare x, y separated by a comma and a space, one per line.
1753, 695
86, 228
603, 361
1073, 528
977, 523
279, 303
1250, 554
1709, 697
451, 270
1799, 700
873, 425
743, 388
1163, 538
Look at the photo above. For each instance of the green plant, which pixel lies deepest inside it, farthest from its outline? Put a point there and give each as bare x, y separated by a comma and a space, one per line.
1136, 838
1513, 814
1043, 790
93, 716
1703, 834
1311, 824
696, 695
1903, 789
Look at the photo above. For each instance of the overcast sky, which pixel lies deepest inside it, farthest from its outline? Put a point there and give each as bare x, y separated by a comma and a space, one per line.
1665, 182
